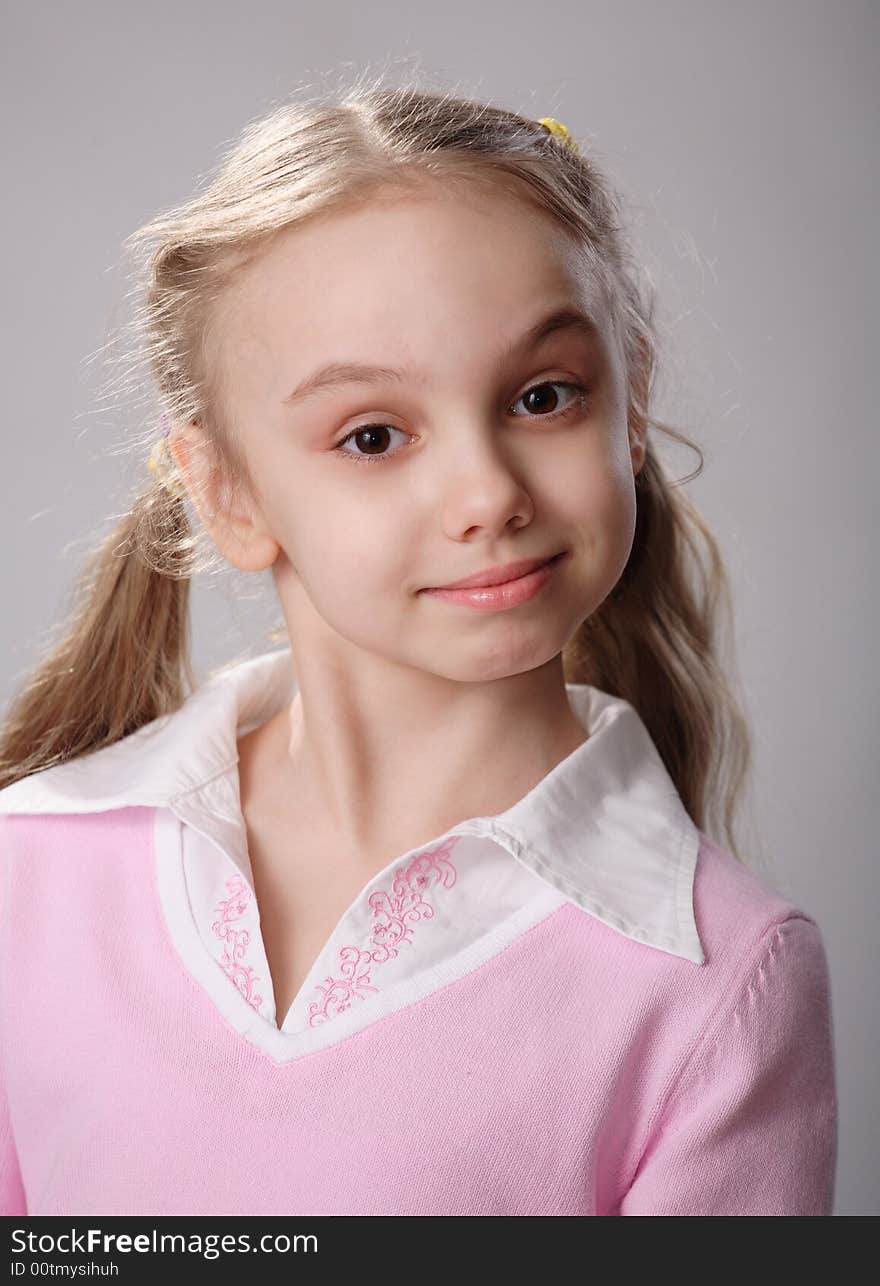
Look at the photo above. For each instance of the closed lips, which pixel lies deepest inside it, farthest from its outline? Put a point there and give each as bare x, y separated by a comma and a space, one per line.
499, 575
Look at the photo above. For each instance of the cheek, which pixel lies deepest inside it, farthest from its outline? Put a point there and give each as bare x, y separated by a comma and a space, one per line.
596, 495
346, 547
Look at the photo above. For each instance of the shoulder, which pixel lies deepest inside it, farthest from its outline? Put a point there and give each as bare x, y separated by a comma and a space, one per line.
58, 868
749, 929
740, 910
42, 830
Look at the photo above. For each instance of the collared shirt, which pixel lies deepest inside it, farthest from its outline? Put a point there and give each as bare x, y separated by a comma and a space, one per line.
605, 829
546, 954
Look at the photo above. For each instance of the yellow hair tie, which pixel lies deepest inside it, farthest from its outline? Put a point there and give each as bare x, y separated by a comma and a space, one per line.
158, 458
560, 131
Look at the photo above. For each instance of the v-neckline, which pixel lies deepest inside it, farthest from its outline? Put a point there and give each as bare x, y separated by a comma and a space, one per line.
286, 1046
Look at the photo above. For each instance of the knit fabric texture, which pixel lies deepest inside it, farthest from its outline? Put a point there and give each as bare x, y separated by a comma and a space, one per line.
571, 1070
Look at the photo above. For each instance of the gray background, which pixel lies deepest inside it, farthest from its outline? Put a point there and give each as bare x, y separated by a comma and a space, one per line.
740, 138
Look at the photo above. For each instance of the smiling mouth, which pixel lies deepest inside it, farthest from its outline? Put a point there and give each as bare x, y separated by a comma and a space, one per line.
502, 595
488, 579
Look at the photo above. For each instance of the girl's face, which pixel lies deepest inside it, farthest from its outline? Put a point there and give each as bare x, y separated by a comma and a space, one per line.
475, 445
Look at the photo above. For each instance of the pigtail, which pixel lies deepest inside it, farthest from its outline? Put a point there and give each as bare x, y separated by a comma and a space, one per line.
124, 655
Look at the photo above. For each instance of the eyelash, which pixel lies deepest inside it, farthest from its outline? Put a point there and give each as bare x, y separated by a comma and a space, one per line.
578, 402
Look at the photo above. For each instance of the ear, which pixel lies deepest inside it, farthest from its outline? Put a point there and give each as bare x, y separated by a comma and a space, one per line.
638, 445
237, 528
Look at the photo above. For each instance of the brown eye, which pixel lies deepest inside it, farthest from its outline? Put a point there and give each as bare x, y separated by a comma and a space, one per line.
370, 440
543, 402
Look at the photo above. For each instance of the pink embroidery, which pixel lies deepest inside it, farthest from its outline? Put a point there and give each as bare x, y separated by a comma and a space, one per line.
236, 940
393, 914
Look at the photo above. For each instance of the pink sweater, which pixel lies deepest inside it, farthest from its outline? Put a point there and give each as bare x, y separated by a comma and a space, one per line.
573, 1056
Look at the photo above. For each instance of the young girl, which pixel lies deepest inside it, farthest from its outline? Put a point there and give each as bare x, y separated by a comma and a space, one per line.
427, 911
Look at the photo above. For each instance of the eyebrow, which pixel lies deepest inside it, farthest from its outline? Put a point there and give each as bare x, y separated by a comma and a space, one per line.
337, 374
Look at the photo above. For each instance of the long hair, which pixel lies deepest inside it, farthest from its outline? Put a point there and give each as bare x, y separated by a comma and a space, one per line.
124, 655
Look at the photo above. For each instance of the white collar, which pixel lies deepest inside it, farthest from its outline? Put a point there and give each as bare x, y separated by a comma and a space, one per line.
606, 826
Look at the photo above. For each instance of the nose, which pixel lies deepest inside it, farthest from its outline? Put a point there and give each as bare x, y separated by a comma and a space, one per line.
484, 489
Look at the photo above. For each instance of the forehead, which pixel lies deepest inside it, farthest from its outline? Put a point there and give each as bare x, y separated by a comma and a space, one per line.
401, 268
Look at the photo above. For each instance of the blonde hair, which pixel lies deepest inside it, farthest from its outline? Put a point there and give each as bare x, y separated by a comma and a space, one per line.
124, 657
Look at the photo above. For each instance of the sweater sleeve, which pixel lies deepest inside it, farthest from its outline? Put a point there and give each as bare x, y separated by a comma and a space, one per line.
12, 1198
750, 1125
